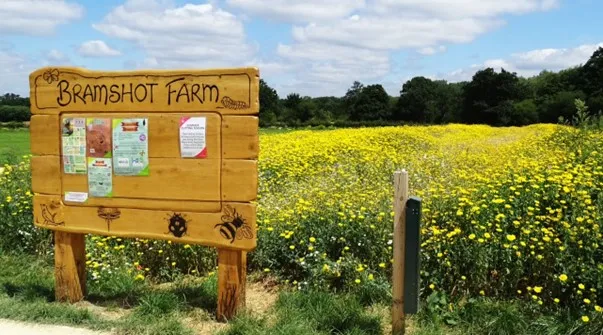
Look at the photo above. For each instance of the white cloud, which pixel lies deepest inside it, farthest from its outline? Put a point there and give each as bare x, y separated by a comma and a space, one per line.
37, 17
97, 48
428, 51
395, 32
299, 11
357, 43
530, 63
14, 73
463, 8
190, 35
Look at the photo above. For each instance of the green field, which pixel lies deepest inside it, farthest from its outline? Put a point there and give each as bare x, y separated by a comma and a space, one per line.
13, 143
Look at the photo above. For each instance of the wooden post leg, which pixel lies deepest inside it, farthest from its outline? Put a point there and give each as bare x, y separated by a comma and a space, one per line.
69, 266
231, 283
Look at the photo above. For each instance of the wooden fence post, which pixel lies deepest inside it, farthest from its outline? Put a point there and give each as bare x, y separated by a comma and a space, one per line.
400, 198
69, 266
232, 273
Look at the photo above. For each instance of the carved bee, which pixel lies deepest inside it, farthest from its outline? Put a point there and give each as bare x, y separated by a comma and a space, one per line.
233, 226
177, 225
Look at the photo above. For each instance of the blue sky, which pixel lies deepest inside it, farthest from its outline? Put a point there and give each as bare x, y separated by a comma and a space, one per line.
311, 47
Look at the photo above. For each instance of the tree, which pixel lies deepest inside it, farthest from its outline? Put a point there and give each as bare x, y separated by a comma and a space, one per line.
269, 104
490, 95
371, 104
592, 74
426, 101
351, 97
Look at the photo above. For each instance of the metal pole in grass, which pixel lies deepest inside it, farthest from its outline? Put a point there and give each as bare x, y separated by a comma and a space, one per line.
400, 199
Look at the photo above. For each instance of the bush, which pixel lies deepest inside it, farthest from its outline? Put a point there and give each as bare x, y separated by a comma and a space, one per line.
14, 113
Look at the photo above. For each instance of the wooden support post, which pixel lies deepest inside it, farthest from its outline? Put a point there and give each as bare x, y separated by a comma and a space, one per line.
69, 266
232, 274
400, 198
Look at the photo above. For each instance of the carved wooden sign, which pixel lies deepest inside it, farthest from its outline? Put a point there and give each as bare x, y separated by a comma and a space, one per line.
159, 154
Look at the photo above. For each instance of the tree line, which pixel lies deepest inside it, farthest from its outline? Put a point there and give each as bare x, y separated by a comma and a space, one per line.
495, 98
14, 108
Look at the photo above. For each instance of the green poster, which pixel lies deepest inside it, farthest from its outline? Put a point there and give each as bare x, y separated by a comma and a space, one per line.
73, 140
100, 181
131, 147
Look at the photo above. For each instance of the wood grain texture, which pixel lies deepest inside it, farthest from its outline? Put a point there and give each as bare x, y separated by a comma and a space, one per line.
188, 179
400, 199
166, 205
227, 91
46, 174
234, 227
70, 266
45, 135
239, 180
240, 136
231, 283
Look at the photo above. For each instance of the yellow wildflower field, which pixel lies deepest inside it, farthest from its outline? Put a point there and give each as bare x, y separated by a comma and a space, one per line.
507, 213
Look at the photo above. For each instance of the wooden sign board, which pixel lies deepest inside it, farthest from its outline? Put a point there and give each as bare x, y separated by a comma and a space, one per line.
160, 154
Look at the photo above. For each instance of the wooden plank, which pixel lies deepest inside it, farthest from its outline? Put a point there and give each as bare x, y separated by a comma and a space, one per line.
239, 180
400, 198
227, 91
173, 205
46, 174
240, 136
70, 267
186, 179
164, 131
231, 283
45, 135
234, 227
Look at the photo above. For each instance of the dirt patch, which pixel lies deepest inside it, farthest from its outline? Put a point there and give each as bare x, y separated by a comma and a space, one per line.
109, 314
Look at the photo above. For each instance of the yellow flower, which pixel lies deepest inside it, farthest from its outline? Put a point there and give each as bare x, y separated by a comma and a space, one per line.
511, 237
537, 289
312, 239
381, 265
563, 277
370, 277
472, 236
556, 300
291, 247
598, 308
586, 301
585, 318
581, 286
432, 286
357, 281
139, 277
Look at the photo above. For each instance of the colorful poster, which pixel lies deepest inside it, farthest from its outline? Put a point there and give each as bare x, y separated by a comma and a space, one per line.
73, 140
192, 137
131, 147
98, 138
100, 179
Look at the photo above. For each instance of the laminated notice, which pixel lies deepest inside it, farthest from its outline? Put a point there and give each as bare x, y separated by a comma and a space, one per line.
192, 137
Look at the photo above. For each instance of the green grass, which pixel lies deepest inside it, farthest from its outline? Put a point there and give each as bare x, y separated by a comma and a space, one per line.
27, 294
13, 143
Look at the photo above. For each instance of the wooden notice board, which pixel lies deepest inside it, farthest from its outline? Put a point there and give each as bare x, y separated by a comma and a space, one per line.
161, 154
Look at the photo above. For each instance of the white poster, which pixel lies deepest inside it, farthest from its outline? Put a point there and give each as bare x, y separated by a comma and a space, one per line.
192, 137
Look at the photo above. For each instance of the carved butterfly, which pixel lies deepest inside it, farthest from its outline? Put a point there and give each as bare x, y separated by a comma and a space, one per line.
51, 75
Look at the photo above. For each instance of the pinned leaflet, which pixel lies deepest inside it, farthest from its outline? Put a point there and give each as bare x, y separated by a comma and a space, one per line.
192, 137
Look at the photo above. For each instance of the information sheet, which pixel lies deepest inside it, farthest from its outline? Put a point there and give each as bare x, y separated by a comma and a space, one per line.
73, 140
192, 137
98, 138
100, 181
131, 147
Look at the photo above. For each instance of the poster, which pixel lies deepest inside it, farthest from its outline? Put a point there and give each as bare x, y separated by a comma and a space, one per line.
131, 147
192, 137
100, 181
98, 138
73, 140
